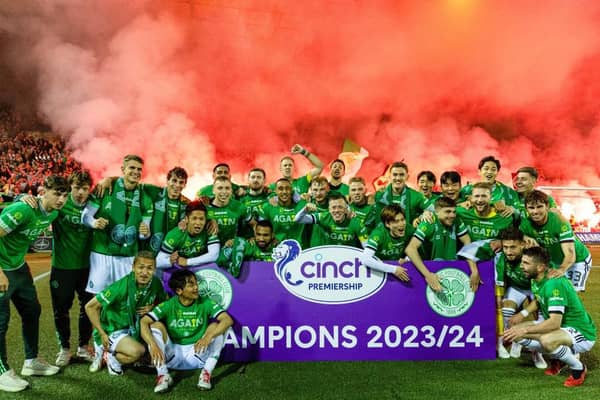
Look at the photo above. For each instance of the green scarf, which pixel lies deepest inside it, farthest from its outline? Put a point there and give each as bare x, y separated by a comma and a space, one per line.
388, 198
139, 297
158, 221
124, 232
231, 258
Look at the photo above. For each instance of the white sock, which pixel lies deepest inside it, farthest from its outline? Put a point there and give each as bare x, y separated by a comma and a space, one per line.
564, 354
111, 359
98, 349
158, 338
531, 344
210, 365
507, 313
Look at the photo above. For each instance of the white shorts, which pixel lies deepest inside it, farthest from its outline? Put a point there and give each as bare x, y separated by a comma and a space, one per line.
578, 273
517, 296
183, 356
115, 337
104, 270
580, 343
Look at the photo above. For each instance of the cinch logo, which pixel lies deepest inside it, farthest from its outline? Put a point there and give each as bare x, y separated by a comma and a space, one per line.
325, 274
456, 297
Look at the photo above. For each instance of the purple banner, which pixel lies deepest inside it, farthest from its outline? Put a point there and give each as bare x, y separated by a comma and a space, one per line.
323, 304
589, 237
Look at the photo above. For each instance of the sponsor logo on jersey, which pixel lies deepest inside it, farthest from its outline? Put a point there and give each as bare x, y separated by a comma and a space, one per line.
325, 274
214, 285
456, 297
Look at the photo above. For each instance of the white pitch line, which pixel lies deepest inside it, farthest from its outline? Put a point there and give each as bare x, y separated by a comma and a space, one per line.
41, 276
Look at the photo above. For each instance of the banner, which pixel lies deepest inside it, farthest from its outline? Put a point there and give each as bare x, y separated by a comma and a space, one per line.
323, 304
589, 237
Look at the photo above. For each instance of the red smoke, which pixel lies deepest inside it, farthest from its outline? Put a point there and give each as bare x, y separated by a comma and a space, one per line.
439, 84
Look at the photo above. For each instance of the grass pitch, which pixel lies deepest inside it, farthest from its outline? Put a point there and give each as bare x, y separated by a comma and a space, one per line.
507, 379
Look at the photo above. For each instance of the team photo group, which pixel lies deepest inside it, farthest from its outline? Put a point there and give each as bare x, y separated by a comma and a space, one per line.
127, 250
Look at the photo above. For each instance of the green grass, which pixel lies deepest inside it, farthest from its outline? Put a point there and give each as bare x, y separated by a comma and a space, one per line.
508, 379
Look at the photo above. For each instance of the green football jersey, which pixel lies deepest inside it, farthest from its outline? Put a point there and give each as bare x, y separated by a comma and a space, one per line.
186, 324
439, 242
231, 258
254, 253
499, 192
557, 295
229, 218
430, 201
282, 219
342, 189
299, 185
121, 299
253, 204
481, 228
314, 234
23, 225
510, 274
386, 246
412, 202
186, 245
550, 235
72, 240
361, 211
103, 240
349, 232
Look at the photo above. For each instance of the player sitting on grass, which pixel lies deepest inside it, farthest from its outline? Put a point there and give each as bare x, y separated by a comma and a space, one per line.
185, 332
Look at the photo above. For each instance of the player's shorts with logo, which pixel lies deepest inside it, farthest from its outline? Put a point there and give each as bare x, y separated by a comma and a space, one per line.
580, 343
578, 273
105, 270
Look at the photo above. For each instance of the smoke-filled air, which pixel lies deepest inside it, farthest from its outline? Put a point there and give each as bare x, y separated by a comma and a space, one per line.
438, 84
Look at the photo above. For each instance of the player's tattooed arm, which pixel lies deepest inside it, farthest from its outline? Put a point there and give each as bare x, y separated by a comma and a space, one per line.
568, 249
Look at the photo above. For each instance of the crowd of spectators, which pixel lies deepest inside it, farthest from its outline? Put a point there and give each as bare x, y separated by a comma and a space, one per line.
28, 157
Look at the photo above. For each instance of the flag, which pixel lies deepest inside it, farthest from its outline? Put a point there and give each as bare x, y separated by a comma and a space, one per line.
383, 180
352, 155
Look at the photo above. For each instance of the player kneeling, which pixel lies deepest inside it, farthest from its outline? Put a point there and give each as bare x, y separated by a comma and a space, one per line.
115, 313
185, 332
567, 328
